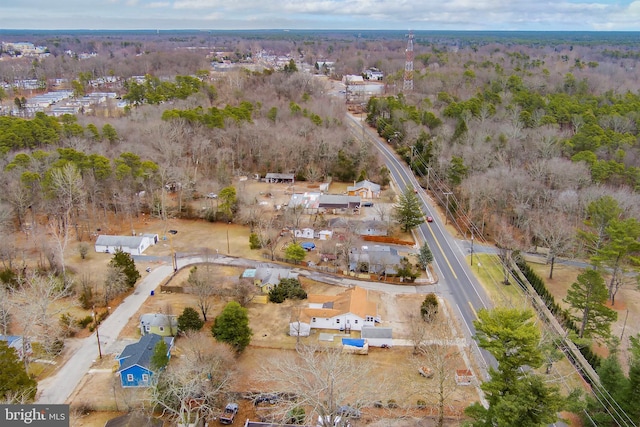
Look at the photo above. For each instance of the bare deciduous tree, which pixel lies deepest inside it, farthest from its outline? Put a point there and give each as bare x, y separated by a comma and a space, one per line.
201, 286
192, 386
115, 282
322, 379
40, 301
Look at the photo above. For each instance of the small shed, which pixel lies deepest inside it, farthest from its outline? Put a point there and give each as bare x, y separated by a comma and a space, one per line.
305, 233
275, 178
377, 337
324, 234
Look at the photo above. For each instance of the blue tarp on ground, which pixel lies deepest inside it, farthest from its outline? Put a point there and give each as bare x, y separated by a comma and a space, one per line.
308, 245
354, 342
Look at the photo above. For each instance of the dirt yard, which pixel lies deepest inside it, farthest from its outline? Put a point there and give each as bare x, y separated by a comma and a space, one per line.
269, 323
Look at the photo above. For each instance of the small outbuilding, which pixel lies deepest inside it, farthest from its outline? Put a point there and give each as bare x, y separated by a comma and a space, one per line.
377, 337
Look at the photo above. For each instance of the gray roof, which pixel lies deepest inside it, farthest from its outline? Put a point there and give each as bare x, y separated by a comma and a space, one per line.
374, 332
140, 353
158, 319
273, 275
119, 241
273, 175
379, 258
366, 184
338, 199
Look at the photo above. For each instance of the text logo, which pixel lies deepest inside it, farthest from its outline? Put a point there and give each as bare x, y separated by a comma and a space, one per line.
34, 415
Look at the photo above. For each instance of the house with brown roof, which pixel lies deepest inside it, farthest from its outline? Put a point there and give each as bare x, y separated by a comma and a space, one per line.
350, 310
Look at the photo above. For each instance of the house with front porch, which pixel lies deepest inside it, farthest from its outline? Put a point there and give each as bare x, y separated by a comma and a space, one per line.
349, 310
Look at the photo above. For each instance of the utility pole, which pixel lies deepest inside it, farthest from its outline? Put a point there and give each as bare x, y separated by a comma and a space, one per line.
446, 217
174, 260
95, 324
471, 247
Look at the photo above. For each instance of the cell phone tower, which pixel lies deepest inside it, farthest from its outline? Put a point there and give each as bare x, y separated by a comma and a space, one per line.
407, 85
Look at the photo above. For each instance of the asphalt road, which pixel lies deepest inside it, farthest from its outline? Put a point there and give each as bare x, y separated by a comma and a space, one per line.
456, 281
58, 387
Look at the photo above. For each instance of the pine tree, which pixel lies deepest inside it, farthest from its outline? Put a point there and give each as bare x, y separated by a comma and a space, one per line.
587, 297
124, 261
160, 357
232, 326
407, 210
189, 320
15, 384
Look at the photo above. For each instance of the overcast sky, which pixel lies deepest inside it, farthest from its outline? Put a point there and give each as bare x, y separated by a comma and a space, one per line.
546, 15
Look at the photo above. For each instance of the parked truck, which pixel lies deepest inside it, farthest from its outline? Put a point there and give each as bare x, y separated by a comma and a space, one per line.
229, 413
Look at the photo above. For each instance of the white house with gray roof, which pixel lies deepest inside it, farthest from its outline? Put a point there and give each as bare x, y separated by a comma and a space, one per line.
134, 245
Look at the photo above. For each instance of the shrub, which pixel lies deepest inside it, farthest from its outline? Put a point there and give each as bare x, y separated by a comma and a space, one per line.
429, 307
9, 278
85, 321
422, 404
296, 415
86, 298
287, 288
254, 241
392, 404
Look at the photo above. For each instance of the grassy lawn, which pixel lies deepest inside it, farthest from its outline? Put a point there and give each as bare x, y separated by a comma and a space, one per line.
488, 270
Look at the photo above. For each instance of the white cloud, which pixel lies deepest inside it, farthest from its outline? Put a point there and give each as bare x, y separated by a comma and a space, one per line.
348, 14
158, 5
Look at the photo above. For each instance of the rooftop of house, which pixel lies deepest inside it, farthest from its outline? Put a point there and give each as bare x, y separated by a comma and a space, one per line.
274, 275
331, 199
140, 353
10, 339
364, 184
119, 241
158, 319
354, 300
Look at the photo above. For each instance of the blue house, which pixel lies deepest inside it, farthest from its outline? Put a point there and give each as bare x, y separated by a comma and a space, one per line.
135, 361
